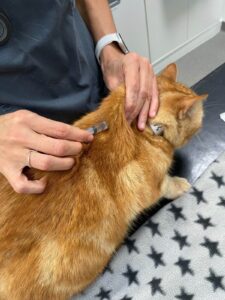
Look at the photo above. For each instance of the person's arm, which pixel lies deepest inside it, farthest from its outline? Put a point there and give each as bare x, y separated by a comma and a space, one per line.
98, 17
132, 69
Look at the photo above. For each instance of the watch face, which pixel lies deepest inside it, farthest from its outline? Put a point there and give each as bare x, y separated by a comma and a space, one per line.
122, 44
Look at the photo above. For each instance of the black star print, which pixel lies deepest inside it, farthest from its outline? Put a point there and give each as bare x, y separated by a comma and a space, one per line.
131, 275
205, 222
184, 296
126, 298
155, 286
218, 179
222, 201
177, 211
215, 280
153, 226
182, 240
130, 245
103, 294
184, 266
199, 195
212, 247
156, 257
108, 269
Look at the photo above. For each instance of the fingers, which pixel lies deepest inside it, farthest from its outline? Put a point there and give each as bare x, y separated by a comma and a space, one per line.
50, 163
58, 130
40, 161
22, 185
47, 136
19, 181
141, 89
24, 130
52, 146
143, 116
141, 86
155, 99
145, 92
132, 83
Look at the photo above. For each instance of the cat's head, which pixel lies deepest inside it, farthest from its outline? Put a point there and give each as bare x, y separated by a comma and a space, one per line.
180, 111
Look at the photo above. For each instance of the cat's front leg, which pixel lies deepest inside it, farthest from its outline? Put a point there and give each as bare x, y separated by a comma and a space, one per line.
174, 187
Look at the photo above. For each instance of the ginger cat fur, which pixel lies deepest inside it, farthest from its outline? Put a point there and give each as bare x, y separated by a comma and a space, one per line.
54, 245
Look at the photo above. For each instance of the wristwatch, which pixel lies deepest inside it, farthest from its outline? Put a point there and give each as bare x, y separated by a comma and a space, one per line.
108, 39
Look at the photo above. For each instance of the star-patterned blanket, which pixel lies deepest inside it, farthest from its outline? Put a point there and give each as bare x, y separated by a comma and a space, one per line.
179, 253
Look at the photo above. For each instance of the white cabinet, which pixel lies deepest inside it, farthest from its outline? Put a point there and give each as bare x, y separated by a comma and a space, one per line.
202, 14
165, 30
178, 26
223, 11
130, 19
166, 25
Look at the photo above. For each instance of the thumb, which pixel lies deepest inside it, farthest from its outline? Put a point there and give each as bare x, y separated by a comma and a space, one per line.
22, 185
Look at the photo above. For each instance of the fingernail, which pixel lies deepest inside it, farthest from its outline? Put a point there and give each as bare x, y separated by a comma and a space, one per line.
152, 114
90, 138
142, 126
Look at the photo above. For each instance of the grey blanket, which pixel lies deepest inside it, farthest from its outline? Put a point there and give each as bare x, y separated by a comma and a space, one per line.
179, 253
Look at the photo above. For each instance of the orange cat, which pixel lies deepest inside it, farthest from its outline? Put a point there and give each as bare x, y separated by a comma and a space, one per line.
55, 244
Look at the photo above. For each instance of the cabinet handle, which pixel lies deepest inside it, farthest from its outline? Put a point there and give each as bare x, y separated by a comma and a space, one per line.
114, 3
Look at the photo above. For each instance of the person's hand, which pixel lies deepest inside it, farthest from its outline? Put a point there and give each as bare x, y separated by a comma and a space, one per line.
28, 139
137, 74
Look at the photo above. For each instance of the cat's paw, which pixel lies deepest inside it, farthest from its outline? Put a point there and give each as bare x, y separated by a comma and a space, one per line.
174, 187
181, 186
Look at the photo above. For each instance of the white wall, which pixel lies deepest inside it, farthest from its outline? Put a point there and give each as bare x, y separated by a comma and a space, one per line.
130, 18
202, 14
178, 26
166, 25
223, 12
165, 30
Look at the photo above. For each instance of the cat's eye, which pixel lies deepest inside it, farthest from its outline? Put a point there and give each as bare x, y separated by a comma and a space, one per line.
158, 129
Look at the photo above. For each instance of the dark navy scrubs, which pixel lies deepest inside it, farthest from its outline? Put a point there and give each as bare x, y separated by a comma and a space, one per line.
48, 64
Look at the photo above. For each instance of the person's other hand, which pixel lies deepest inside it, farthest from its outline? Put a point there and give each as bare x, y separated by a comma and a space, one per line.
51, 144
137, 74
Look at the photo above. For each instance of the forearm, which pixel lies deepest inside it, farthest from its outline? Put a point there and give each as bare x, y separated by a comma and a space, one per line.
98, 17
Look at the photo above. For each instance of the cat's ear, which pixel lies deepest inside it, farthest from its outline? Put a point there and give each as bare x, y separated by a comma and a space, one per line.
186, 104
170, 72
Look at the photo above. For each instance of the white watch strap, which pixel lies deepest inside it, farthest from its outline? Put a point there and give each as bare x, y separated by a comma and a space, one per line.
108, 39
